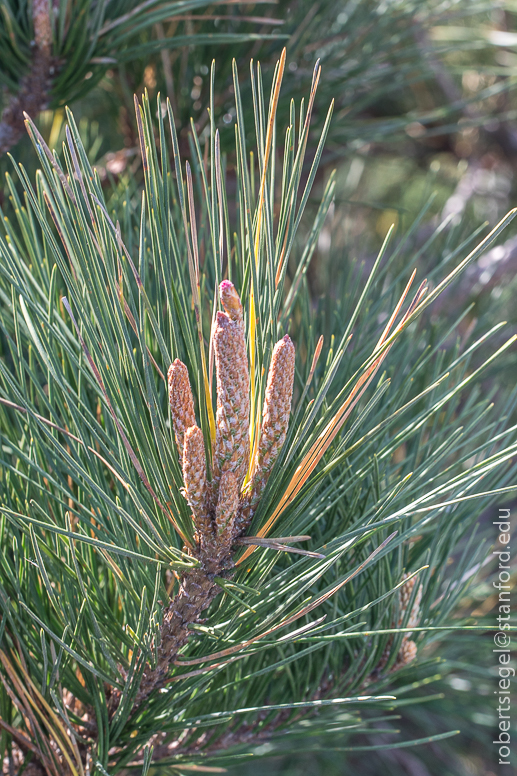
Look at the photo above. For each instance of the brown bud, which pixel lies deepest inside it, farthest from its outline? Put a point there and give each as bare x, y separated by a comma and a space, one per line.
408, 648
194, 476
405, 593
275, 416
407, 653
181, 402
232, 419
226, 509
230, 300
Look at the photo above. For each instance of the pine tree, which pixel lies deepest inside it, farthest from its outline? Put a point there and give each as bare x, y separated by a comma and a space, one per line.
157, 606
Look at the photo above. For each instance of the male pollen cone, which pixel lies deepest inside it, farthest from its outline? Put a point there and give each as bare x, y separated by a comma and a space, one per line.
181, 402
230, 300
407, 654
275, 421
194, 475
227, 506
405, 593
275, 415
233, 406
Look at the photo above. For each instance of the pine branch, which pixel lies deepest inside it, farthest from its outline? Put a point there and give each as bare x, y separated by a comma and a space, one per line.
101, 606
215, 508
33, 93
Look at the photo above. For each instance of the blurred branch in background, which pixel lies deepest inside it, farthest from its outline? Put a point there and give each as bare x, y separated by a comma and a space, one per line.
34, 86
53, 53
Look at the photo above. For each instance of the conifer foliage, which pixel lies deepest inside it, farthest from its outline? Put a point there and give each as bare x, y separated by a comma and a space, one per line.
52, 53
173, 428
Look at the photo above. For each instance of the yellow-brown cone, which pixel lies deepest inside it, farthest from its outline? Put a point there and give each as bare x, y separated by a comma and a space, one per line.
194, 475
230, 300
407, 653
275, 415
226, 509
181, 402
232, 418
405, 593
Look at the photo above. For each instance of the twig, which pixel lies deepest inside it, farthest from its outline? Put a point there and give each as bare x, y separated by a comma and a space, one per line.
34, 89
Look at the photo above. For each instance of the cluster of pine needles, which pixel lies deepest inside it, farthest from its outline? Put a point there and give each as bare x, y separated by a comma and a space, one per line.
156, 605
